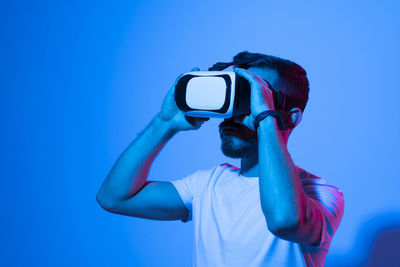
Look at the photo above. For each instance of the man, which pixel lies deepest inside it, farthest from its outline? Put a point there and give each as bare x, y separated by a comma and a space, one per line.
269, 212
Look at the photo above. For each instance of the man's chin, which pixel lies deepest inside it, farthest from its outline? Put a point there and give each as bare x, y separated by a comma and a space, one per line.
235, 147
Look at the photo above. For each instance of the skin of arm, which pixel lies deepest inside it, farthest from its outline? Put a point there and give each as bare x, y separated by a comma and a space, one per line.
130, 171
289, 212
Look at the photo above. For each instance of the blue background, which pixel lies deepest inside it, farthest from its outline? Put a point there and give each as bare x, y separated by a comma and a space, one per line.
81, 79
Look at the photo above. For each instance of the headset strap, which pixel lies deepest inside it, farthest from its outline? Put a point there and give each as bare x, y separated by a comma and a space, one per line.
221, 66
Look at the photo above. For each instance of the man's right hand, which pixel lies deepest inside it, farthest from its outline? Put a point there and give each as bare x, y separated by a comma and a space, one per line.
175, 117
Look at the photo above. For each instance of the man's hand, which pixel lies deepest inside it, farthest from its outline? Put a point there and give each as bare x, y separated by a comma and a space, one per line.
171, 114
261, 97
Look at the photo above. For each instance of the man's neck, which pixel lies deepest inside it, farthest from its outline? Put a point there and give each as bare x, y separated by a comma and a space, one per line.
249, 166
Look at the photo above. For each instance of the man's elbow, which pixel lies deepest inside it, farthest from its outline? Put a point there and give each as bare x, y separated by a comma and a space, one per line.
105, 202
284, 227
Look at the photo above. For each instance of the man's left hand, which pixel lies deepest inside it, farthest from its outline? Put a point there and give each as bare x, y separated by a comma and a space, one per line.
261, 97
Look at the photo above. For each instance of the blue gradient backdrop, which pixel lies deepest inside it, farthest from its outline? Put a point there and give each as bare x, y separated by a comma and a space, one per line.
81, 79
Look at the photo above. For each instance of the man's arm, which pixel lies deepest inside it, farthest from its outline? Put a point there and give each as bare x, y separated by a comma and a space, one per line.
130, 171
290, 214
125, 190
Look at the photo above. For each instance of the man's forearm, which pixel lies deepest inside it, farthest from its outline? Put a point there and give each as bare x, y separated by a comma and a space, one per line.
281, 192
130, 171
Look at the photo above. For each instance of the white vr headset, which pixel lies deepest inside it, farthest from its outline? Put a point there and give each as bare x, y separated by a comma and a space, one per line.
218, 94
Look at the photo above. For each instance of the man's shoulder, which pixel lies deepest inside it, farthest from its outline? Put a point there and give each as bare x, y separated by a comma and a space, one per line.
319, 188
217, 171
307, 177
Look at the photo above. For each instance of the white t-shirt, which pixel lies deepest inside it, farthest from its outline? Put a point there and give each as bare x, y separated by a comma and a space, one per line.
230, 228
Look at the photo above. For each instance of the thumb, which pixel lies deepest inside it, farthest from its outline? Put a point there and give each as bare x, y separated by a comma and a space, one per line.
249, 122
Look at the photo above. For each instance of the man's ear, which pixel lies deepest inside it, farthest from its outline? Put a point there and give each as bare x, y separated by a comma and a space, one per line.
294, 117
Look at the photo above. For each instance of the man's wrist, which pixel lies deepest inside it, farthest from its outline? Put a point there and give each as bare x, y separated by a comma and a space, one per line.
269, 122
268, 113
167, 125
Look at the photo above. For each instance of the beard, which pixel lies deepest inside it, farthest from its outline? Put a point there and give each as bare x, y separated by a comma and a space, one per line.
235, 147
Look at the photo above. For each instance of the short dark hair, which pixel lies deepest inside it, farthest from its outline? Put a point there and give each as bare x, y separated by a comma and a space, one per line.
292, 77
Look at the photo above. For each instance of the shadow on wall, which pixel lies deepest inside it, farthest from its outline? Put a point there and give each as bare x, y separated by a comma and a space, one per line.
377, 244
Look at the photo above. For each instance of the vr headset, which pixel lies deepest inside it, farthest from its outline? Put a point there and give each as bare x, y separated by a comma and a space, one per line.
219, 94
216, 94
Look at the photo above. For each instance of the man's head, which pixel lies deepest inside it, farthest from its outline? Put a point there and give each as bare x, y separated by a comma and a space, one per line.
238, 141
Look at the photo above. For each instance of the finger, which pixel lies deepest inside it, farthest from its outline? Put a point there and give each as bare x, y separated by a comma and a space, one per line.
171, 90
255, 76
199, 119
195, 69
249, 122
196, 119
252, 80
177, 79
252, 77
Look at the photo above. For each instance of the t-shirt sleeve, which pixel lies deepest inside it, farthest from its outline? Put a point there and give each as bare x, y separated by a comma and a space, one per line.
188, 187
330, 202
